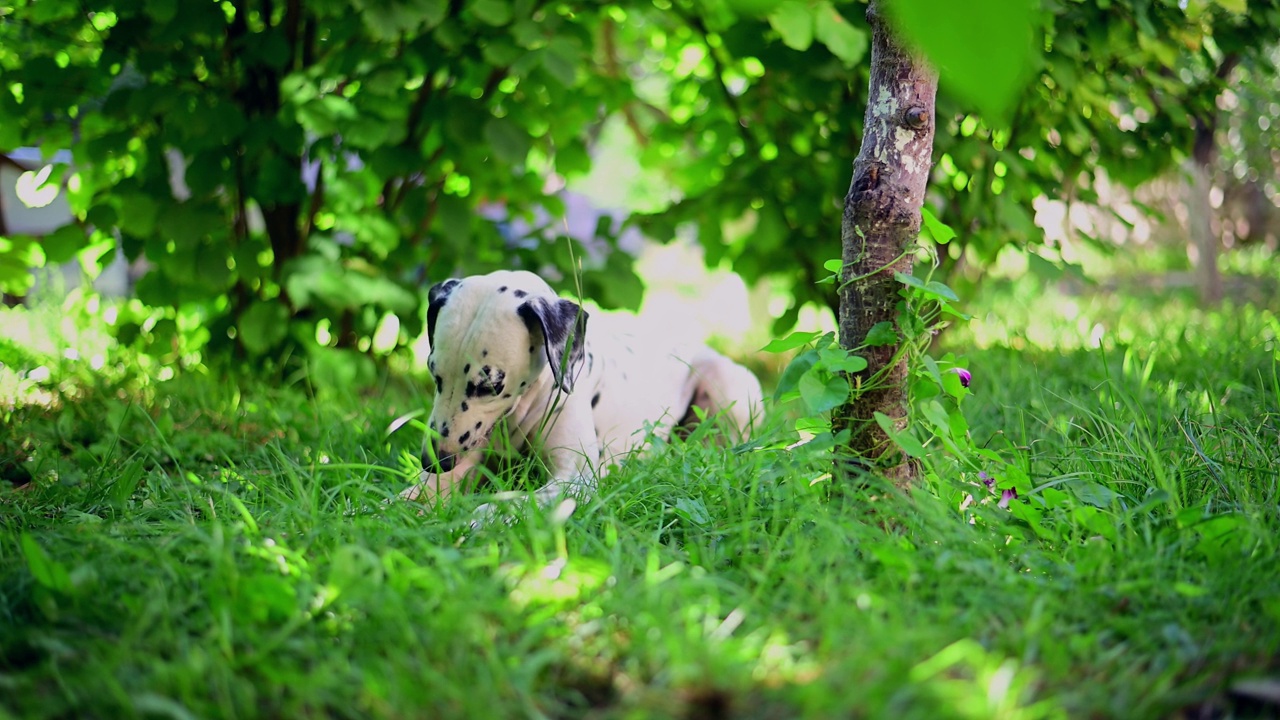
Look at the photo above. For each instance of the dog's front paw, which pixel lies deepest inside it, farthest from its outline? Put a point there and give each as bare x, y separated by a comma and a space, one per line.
484, 515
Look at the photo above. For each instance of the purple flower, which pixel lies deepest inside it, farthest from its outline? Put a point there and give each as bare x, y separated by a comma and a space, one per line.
965, 376
986, 480
1006, 497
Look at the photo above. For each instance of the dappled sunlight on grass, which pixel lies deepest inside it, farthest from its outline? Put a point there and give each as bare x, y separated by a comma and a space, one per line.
1028, 314
237, 538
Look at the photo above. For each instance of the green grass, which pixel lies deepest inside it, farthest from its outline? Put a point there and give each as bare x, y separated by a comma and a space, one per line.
192, 550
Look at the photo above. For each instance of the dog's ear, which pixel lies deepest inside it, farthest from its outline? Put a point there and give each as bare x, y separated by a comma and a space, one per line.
563, 326
436, 297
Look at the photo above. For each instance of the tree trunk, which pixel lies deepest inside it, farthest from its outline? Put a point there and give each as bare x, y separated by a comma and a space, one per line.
881, 221
1200, 215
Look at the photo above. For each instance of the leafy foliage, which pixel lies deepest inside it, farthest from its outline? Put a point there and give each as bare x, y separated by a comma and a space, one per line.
294, 171
289, 168
757, 133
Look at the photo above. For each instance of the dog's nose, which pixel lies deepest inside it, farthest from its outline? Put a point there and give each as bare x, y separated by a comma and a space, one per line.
443, 463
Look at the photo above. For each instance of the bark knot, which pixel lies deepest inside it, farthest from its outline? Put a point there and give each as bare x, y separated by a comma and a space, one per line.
917, 118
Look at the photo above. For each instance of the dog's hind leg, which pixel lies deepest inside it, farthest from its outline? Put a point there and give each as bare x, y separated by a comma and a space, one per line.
722, 386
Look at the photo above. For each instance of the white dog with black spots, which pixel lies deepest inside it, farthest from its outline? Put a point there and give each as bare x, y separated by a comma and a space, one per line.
505, 346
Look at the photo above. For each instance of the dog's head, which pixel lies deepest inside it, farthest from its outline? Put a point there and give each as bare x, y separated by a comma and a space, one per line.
492, 336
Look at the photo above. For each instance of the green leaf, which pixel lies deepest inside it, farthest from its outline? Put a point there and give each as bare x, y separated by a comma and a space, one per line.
753, 8
983, 49
389, 19
126, 483
880, 334
933, 287
791, 342
1095, 494
1239, 7
561, 60
843, 40
931, 367
959, 425
936, 288
904, 440
46, 571
62, 244
938, 230
822, 391
909, 280
455, 219
795, 369
354, 569
138, 213
1186, 589
937, 416
1042, 268
263, 326
162, 11
491, 12
508, 140
952, 385
694, 511
837, 359
771, 229
794, 22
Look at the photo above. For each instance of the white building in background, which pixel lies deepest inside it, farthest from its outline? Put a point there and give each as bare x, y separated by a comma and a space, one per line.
29, 206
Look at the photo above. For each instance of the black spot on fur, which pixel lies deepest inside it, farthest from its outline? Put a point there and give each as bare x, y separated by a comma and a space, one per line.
478, 424
493, 382
506, 396
484, 353
519, 293
439, 381
464, 406
466, 368
502, 289
523, 384
444, 431
437, 296
533, 349
595, 399
562, 324
464, 437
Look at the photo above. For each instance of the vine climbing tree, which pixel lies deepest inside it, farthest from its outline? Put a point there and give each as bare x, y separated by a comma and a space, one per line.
880, 224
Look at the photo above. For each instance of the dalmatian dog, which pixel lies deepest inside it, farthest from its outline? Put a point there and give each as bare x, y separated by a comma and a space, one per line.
505, 346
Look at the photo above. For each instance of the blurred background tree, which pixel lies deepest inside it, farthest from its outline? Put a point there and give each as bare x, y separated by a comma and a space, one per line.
295, 172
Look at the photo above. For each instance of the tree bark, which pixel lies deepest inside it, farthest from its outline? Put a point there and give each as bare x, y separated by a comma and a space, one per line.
1200, 213
881, 221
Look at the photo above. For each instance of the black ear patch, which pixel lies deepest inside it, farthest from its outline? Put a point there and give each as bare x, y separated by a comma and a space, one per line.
436, 298
563, 327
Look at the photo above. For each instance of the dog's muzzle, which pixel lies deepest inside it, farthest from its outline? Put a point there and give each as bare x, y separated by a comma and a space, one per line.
442, 464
